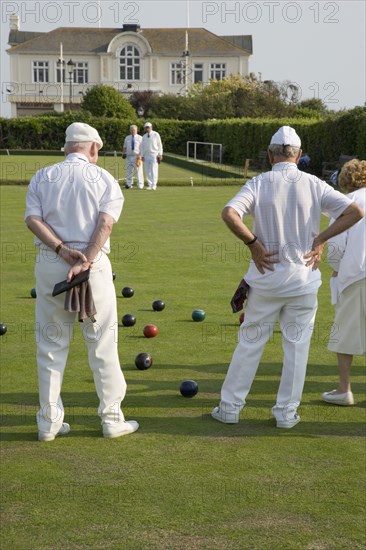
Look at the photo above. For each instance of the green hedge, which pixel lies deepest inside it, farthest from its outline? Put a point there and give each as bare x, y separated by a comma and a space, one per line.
324, 139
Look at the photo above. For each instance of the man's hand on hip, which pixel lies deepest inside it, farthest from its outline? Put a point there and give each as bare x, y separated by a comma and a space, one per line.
261, 257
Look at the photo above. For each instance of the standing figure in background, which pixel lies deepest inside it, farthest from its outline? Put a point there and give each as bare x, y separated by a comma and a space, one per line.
152, 154
132, 153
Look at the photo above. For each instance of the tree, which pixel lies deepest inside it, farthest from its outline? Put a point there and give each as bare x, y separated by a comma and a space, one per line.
143, 100
236, 97
315, 104
106, 101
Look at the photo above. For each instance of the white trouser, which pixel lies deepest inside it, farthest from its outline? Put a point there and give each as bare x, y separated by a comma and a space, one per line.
296, 316
151, 171
54, 328
131, 168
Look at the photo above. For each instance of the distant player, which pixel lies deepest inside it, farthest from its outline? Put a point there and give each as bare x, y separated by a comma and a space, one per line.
132, 153
152, 154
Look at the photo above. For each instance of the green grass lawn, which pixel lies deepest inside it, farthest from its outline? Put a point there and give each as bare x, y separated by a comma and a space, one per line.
183, 481
175, 170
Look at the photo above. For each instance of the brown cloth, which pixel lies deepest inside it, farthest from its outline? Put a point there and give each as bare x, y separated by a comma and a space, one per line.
80, 299
240, 295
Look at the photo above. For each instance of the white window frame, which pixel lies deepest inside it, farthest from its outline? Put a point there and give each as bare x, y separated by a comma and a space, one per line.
202, 66
135, 66
82, 68
177, 69
58, 74
38, 66
217, 71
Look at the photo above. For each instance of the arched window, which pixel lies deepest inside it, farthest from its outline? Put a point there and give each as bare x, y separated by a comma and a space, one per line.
129, 63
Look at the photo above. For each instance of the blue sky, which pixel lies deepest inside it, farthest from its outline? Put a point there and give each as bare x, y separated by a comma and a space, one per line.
317, 45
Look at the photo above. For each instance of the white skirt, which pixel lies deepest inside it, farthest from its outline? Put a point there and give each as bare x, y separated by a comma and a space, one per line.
349, 329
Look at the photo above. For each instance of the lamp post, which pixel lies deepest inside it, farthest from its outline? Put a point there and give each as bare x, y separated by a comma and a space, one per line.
60, 66
70, 70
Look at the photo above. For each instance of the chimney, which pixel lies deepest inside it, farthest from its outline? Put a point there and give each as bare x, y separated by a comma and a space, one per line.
131, 28
14, 22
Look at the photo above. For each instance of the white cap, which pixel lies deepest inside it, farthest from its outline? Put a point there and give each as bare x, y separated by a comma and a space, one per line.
286, 136
79, 131
147, 124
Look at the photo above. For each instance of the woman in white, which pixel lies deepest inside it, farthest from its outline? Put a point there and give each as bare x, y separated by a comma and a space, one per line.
347, 256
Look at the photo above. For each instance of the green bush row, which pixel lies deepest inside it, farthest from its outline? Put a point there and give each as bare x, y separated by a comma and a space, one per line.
322, 139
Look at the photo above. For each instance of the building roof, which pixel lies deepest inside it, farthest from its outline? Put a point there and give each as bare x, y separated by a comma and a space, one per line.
162, 41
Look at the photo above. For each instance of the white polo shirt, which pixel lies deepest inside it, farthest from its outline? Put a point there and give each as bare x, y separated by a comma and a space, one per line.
347, 251
151, 146
70, 195
128, 145
286, 206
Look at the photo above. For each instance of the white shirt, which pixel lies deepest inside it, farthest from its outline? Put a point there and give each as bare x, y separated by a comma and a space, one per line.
70, 195
286, 205
151, 146
347, 251
128, 144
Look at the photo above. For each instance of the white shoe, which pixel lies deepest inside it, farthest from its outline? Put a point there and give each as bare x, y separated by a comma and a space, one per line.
47, 436
338, 398
288, 422
120, 428
226, 417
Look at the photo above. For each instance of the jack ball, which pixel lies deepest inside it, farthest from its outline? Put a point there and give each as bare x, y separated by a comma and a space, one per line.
188, 388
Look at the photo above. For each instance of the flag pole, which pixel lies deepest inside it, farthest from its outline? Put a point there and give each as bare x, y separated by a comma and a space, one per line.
61, 77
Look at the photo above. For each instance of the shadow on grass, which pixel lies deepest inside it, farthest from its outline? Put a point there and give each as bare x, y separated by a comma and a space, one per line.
184, 417
204, 426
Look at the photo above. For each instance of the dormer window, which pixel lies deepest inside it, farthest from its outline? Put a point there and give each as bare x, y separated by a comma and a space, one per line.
129, 63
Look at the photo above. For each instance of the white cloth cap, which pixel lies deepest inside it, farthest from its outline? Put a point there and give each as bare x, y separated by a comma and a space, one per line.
147, 124
79, 131
286, 136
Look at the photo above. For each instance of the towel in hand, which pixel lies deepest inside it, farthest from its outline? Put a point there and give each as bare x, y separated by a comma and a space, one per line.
80, 299
241, 294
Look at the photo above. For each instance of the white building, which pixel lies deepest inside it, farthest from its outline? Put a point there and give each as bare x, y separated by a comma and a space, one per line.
129, 58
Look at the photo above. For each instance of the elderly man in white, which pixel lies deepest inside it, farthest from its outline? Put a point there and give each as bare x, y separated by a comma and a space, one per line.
71, 208
286, 205
132, 153
152, 154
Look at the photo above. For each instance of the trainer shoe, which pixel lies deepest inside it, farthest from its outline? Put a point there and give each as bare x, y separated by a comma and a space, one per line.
338, 398
47, 436
288, 422
119, 429
226, 417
